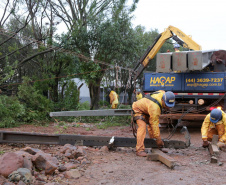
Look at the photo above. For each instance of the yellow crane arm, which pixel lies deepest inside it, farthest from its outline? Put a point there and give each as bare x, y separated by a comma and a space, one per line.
170, 32
188, 42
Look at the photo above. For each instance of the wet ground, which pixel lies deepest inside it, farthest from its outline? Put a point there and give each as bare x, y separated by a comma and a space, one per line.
124, 167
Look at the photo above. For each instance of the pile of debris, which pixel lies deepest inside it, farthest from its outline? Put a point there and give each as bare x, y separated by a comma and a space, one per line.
33, 166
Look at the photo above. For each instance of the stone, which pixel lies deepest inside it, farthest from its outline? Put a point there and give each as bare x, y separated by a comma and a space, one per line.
79, 152
66, 147
50, 167
31, 151
45, 162
37, 182
21, 183
8, 183
10, 162
2, 179
62, 168
72, 174
104, 149
22, 174
71, 166
213, 159
27, 159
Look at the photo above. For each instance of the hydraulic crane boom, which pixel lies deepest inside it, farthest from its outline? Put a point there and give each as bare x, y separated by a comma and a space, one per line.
170, 32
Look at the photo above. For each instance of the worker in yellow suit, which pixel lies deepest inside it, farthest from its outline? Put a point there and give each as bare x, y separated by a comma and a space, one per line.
214, 124
138, 94
147, 111
113, 99
176, 47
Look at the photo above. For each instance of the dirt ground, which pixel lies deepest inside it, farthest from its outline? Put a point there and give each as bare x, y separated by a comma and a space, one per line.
124, 167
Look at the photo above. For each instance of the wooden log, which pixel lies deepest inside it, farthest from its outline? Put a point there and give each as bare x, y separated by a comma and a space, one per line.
213, 149
158, 155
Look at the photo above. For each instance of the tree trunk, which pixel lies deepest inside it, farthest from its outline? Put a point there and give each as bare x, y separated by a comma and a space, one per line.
54, 93
94, 91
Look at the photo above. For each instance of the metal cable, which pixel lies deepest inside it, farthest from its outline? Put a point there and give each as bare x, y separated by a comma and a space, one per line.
191, 110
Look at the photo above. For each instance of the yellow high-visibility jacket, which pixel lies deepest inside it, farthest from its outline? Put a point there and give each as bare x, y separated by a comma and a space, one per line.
148, 107
113, 97
207, 125
139, 96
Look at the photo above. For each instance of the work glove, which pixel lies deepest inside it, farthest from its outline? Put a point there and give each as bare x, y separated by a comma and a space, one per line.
205, 144
159, 142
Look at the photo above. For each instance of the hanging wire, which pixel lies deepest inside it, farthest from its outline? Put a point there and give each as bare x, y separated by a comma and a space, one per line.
59, 49
192, 110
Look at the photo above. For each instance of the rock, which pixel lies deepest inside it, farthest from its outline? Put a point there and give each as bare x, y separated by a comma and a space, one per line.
72, 174
27, 159
2, 179
104, 149
79, 152
62, 168
37, 182
68, 154
80, 158
22, 174
10, 162
45, 162
8, 183
31, 151
50, 167
71, 165
85, 161
66, 147
21, 183
41, 177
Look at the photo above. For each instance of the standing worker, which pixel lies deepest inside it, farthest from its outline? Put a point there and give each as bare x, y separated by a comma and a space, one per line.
176, 47
138, 94
113, 99
214, 124
147, 111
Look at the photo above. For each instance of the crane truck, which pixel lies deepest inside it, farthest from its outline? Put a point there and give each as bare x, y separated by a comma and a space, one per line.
197, 80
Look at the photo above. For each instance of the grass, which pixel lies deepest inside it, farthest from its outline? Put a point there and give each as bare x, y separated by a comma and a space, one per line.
2, 152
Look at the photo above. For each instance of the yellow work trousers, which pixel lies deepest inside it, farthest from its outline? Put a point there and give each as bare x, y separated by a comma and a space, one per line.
219, 130
141, 133
114, 105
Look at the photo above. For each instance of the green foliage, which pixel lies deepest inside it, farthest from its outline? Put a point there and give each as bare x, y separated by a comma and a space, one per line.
12, 112
104, 103
69, 100
84, 106
2, 152
114, 121
37, 105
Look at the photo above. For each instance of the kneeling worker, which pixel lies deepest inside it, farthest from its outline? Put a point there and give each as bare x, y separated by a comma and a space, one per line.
214, 124
147, 111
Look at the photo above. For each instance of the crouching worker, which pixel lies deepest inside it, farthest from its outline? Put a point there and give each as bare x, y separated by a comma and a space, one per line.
146, 111
214, 124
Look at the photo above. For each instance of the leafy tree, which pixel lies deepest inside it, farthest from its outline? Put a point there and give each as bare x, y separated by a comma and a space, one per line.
12, 112
37, 105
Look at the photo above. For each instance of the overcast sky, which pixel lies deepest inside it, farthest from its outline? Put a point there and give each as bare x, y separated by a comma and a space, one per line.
204, 20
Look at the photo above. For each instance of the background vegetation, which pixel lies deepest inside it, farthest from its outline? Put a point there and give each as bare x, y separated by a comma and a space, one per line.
46, 43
